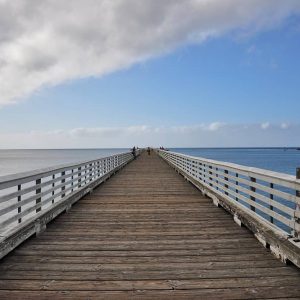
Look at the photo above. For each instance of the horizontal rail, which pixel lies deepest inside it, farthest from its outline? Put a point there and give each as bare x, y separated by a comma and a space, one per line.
25, 196
23, 177
271, 197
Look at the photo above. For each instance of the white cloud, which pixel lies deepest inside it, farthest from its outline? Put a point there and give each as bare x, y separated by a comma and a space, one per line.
265, 125
44, 43
284, 125
215, 126
202, 135
107, 132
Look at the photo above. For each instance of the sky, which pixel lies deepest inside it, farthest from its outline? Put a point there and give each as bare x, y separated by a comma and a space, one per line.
193, 73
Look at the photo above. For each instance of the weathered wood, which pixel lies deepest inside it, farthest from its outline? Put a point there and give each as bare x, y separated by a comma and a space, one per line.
216, 176
242, 293
290, 292
149, 285
234, 257
145, 234
282, 241
37, 212
146, 274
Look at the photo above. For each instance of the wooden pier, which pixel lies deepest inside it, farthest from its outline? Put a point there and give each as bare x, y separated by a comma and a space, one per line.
146, 233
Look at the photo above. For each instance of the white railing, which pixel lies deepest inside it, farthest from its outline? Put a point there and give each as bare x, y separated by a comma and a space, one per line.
25, 196
270, 196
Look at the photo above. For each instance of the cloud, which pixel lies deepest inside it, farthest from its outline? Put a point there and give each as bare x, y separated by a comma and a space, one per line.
45, 43
201, 135
215, 126
284, 125
265, 125
107, 132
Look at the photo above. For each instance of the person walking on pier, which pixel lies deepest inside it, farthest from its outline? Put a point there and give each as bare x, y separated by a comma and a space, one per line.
148, 150
133, 151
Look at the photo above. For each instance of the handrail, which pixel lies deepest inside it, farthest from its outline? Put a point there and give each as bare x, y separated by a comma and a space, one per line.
10, 180
270, 197
24, 197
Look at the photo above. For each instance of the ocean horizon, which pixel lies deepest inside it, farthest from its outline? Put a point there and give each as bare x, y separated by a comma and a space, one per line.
279, 159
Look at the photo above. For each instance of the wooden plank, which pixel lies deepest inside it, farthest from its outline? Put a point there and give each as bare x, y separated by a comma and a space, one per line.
227, 293
157, 274
137, 259
123, 285
91, 267
148, 253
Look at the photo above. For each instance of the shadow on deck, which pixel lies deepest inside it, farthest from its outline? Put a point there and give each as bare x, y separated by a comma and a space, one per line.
145, 233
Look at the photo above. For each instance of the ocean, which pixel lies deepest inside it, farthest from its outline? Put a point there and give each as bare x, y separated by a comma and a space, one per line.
16, 161
284, 160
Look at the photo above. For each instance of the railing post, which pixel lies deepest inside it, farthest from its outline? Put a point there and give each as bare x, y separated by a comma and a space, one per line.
91, 172
19, 200
85, 173
226, 179
210, 178
271, 197
53, 185
79, 177
297, 220
217, 181
252, 189
72, 178
194, 169
237, 183
39, 199
63, 181
200, 171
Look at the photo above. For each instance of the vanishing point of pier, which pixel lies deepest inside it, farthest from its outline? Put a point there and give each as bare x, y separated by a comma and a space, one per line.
145, 232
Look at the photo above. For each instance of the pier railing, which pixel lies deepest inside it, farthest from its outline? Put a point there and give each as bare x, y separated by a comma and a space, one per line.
257, 197
29, 200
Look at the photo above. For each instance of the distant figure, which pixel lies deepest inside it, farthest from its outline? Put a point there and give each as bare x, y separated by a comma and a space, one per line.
133, 151
148, 150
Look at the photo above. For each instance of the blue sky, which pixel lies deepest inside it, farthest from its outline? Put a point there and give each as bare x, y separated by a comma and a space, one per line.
210, 89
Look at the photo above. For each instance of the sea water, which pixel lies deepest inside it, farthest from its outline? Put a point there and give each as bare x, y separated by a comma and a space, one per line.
16, 161
283, 160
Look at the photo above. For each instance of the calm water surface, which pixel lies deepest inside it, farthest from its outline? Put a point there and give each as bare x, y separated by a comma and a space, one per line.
15, 161
284, 160
275, 159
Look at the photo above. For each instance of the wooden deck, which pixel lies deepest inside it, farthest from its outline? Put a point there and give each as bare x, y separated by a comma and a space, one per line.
145, 233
